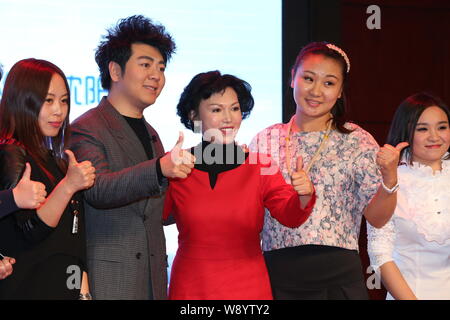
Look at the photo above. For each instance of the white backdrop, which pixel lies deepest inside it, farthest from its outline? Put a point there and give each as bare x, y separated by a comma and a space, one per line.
241, 37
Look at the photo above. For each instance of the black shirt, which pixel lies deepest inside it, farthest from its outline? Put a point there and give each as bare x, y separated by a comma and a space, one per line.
140, 129
43, 254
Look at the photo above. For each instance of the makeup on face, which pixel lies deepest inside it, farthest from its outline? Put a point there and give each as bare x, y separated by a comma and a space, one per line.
220, 116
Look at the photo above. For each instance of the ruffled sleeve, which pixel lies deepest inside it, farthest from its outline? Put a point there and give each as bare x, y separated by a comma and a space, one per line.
380, 244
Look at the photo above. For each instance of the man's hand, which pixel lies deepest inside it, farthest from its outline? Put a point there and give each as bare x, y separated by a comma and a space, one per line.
177, 163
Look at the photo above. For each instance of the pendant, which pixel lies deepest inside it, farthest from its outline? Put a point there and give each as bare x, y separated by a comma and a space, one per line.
75, 225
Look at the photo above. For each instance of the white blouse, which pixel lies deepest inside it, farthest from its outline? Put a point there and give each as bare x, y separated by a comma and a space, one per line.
417, 238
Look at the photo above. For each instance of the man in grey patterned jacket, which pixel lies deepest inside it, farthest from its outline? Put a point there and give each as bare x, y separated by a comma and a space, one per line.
126, 250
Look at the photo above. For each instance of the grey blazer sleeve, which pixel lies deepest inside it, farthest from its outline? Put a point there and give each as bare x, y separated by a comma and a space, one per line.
112, 188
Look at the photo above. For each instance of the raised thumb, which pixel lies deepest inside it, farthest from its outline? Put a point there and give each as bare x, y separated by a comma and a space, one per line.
71, 157
401, 146
299, 163
27, 173
180, 141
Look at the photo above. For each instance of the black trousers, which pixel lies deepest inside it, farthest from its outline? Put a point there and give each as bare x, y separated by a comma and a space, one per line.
315, 272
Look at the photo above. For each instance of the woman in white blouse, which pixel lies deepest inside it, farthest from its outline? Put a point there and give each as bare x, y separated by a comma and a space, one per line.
412, 251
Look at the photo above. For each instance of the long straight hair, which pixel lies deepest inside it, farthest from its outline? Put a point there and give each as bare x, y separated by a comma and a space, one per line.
24, 94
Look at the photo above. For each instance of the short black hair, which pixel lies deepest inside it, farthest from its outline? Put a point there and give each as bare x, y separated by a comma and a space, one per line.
406, 117
116, 45
203, 85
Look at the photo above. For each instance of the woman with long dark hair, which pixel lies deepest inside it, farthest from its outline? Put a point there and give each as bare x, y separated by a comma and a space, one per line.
28, 194
47, 242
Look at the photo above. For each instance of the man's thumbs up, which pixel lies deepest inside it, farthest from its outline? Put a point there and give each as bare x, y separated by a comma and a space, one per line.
177, 163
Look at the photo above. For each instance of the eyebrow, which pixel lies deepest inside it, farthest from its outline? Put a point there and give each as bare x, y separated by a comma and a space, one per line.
426, 124
328, 75
54, 95
221, 104
151, 58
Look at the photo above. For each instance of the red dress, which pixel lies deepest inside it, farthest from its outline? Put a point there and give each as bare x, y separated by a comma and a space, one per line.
219, 254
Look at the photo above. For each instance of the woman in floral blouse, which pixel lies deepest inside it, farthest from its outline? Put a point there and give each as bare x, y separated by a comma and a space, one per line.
319, 260
411, 252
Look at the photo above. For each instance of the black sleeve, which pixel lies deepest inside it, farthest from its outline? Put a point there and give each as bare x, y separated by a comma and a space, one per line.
34, 230
7, 203
12, 164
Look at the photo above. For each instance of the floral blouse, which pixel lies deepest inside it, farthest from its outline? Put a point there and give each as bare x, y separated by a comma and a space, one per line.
417, 237
345, 177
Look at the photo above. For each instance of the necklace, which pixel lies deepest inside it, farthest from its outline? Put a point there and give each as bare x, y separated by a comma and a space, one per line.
322, 145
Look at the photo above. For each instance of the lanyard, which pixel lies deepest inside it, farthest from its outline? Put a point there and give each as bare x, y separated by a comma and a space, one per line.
322, 145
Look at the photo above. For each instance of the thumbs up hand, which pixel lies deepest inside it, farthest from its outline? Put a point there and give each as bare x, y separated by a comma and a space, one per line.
29, 194
300, 180
80, 175
177, 163
387, 159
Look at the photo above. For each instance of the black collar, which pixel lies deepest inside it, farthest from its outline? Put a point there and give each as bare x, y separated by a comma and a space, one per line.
217, 158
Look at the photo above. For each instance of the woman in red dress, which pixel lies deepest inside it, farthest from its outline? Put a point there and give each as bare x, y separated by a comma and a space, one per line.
219, 207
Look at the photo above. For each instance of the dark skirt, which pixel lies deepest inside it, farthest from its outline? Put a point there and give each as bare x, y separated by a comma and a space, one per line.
315, 272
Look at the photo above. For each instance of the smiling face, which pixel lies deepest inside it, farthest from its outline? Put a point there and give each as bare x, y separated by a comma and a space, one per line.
220, 115
431, 137
143, 79
317, 84
55, 108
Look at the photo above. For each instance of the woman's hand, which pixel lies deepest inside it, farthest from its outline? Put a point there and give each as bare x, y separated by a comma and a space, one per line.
387, 159
29, 194
80, 175
300, 180
6, 267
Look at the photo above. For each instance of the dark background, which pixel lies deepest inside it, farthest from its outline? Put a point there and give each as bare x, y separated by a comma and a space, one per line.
410, 53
